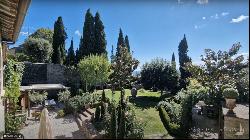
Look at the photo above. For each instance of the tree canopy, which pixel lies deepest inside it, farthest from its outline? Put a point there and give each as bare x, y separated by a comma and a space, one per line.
59, 37
183, 59
94, 69
38, 50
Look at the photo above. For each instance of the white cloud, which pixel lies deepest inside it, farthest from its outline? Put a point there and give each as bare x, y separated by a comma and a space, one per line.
24, 33
239, 19
77, 32
180, 2
202, 1
198, 62
216, 16
203, 18
199, 26
224, 13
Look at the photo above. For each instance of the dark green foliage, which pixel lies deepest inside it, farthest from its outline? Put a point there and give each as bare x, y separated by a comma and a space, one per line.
38, 50
173, 63
87, 42
159, 74
112, 57
43, 33
59, 37
77, 58
220, 68
172, 128
123, 66
70, 59
120, 43
183, 59
103, 109
179, 108
127, 43
113, 123
13, 73
97, 113
122, 127
12, 123
100, 41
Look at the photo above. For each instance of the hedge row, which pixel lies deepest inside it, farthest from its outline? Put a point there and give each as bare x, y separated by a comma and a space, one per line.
172, 128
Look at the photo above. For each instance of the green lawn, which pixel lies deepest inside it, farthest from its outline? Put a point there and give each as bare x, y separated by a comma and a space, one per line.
144, 103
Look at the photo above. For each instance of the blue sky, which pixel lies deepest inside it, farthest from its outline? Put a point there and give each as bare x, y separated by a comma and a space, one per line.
154, 27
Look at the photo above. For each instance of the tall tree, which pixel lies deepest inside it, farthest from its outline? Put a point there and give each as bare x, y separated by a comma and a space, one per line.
173, 63
123, 67
120, 42
100, 41
70, 59
77, 59
183, 59
88, 41
127, 43
43, 33
112, 57
59, 37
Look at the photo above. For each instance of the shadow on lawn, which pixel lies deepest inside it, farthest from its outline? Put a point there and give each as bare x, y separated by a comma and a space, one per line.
144, 102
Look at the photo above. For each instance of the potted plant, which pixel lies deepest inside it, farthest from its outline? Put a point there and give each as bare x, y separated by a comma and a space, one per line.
230, 94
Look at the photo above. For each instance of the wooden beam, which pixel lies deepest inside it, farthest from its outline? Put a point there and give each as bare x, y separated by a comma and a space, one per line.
6, 21
10, 4
8, 9
7, 17
7, 27
23, 6
7, 13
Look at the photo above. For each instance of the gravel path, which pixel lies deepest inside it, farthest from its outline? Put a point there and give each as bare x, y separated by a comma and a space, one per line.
62, 128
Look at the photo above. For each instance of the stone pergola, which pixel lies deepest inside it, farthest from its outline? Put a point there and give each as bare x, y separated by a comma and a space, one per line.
25, 102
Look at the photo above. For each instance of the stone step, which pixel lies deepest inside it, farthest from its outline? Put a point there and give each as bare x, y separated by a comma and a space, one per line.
81, 117
87, 115
90, 111
79, 123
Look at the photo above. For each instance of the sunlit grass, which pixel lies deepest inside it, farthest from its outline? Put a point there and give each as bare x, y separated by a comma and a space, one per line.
144, 107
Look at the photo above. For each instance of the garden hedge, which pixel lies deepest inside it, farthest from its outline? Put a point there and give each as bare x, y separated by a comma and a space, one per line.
172, 128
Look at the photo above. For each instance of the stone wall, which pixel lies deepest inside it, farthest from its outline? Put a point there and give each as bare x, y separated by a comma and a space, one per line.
43, 73
55, 74
34, 73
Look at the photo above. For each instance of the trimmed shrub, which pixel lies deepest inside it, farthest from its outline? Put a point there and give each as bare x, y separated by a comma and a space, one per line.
97, 113
173, 128
230, 93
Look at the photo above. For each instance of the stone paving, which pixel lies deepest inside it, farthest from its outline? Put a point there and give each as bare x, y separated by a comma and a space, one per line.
62, 128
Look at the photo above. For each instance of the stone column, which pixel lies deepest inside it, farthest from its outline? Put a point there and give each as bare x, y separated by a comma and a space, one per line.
2, 126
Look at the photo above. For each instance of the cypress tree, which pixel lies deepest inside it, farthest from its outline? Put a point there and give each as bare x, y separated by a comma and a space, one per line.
112, 57
127, 43
77, 56
87, 42
100, 41
70, 59
120, 42
183, 59
59, 37
173, 63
